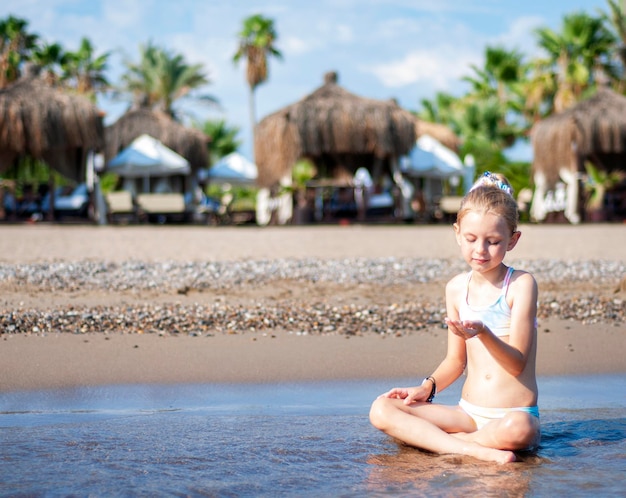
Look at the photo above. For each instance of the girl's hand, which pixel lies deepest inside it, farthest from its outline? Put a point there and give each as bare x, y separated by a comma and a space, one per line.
466, 329
408, 394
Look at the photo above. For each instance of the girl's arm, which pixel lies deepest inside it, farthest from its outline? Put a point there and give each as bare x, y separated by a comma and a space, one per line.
514, 355
453, 365
449, 369
445, 374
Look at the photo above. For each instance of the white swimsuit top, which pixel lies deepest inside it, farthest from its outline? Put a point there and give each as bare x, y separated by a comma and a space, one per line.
496, 316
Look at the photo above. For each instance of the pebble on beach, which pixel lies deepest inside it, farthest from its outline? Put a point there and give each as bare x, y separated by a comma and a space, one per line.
312, 317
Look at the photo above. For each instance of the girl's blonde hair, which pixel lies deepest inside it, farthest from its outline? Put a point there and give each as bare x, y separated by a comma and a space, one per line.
491, 193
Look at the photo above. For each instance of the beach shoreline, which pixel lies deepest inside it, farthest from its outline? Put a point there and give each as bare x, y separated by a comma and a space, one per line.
64, 360
349, 329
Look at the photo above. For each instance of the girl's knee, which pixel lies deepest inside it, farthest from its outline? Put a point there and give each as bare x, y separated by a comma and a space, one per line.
379, 412
520, 430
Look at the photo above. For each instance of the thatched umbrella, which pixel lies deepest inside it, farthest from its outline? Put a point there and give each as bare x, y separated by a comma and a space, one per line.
188, 142
337, 130
594, 130
48, 124
440, 132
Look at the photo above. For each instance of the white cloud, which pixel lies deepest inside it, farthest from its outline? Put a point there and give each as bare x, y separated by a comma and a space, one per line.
294, 45
344, 33
121, 14
438, 67
519, 35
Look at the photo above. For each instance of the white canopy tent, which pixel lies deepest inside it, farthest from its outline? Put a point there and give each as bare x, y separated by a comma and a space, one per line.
146, 157
233, 168
435, 163
431, 159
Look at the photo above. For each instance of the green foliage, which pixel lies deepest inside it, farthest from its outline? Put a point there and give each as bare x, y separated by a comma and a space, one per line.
16, 45
502, 68
83, 70
256, 43
258, 34
440, 109
108, 182
28, 170
161, 77
507, 94
241, 198
598, 181
303, 171
32, 172
80, 70
223, 138
243, 201
576, 53
487, 157
50, 58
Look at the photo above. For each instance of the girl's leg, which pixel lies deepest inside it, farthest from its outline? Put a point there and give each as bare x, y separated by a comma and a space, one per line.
415, 426
515, 431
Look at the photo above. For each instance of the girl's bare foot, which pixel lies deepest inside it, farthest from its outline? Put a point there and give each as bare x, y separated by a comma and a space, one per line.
489, 454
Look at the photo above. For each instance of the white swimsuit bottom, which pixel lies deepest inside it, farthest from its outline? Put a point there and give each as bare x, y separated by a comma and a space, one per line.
482, 415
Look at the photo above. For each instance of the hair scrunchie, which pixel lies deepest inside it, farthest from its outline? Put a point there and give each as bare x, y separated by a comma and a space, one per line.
488, 179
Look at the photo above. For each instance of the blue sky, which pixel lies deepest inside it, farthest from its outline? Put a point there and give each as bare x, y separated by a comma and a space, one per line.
402, 49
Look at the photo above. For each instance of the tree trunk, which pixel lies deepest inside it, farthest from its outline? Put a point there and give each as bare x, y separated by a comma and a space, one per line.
252, 120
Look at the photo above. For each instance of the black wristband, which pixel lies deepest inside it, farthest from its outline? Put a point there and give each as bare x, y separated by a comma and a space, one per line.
433, 390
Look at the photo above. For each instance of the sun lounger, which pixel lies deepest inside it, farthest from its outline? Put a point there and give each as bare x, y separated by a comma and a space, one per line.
450, 204
120, 204
160, 206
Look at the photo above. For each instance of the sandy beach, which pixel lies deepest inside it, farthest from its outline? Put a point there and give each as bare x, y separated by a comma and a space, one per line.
587, 337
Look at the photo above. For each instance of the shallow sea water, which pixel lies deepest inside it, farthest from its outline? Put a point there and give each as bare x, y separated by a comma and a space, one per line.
305, 439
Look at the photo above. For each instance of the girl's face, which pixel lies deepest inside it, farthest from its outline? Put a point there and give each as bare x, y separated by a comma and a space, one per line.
485, 239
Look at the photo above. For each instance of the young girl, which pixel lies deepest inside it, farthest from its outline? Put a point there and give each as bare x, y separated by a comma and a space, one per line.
491, 333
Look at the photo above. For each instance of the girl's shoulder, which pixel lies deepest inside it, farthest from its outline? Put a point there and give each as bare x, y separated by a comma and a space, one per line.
522, 277
522, 282
457, 283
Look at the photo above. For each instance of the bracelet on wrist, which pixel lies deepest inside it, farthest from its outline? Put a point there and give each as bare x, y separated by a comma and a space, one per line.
433, 390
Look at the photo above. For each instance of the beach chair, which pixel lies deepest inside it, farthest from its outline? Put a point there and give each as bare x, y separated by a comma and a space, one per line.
447, 207
120, 205
162, 207
450, 204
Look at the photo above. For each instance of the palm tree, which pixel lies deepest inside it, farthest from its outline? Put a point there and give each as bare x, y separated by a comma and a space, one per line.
223, 138
536, 91
140, 79
496, 96
162, 77
50, 58
438, 110
577, 53
15, 46
617, 20
85, 72
256, 42
502, 69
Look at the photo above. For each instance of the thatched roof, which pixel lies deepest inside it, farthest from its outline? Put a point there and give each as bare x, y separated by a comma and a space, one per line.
332, 123
188, 142
594, 130
46, 123
440, 132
